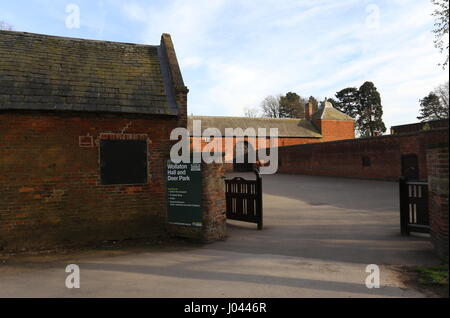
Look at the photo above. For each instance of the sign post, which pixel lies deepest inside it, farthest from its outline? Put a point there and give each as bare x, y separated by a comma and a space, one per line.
184, 190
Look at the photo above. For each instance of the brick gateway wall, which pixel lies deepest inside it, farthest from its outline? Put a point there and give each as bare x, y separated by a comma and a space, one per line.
50, 189
369, 158
437, 156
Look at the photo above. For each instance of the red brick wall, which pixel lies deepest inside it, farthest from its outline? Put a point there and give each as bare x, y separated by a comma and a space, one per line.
336, 130
437, 158
344, 158
50, 191
255, 142
332, 130
297, 141
214, 204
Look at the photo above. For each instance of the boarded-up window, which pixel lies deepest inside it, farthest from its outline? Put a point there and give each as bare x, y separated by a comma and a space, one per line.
123, 161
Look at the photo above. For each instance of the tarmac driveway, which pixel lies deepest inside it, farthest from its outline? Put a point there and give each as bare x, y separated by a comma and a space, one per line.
319, 235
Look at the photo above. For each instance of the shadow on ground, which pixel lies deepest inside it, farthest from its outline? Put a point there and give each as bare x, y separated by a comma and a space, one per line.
331, 219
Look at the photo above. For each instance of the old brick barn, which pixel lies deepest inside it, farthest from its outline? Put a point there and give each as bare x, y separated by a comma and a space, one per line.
69, 111
325, 125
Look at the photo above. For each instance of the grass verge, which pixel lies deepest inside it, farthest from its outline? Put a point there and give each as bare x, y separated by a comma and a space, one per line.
434, 275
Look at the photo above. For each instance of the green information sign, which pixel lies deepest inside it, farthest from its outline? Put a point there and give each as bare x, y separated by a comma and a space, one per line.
184, 189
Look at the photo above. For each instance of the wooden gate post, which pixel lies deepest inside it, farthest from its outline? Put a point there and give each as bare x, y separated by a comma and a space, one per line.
259, 200
404, 208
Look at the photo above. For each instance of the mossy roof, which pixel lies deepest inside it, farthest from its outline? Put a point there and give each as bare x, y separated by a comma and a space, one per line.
42, 72
286, 127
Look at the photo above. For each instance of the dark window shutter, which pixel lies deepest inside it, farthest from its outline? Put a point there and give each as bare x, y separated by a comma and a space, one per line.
123, 162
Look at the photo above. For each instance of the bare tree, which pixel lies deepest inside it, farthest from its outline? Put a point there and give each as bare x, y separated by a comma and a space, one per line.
5, 26
271, 107
443, 92
290, 105
441, 28
251, 112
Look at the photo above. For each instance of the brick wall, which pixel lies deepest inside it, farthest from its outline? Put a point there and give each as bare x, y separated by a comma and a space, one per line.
332, 130
437, 158
219, 144
214, 203
214, 208
50, 190
345, 158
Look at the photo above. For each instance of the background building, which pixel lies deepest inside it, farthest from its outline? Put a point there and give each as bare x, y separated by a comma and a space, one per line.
417, 127
327, 124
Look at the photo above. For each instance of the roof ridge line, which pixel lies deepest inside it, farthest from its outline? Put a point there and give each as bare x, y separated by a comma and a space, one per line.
42, 35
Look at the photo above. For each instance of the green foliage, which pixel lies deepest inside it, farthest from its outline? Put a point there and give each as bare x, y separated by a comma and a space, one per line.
430, 107
314, 102
292, 106
435, 105
364, 105
434, 275
347, 101
370, 111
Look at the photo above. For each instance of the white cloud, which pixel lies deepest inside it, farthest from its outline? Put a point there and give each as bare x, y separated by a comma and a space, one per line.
191, 62
233, 54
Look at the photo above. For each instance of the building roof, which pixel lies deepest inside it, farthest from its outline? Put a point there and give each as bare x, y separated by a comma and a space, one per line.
42, 72
286, 127
328, 112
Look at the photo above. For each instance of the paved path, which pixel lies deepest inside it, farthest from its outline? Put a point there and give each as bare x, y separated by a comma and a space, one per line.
319, 236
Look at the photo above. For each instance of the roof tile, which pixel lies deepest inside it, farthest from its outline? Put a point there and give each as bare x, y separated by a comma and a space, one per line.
286, 127
48, 72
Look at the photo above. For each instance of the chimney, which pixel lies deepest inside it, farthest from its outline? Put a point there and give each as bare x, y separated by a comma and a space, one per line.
309, 111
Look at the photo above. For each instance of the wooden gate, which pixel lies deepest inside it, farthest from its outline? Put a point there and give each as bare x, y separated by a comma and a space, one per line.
244, 200
414, 206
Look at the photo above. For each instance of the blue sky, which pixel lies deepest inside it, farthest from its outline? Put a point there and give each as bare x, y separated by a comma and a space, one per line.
233, 53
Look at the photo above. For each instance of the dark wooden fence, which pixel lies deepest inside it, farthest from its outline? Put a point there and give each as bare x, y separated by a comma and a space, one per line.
413, 206
244, 200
